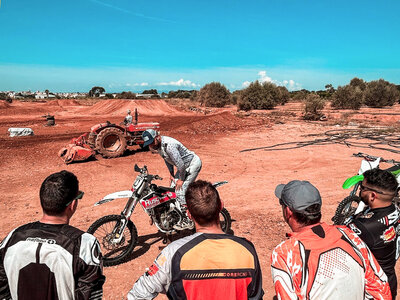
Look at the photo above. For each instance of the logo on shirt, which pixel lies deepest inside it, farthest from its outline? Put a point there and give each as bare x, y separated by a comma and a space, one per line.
41, 240
388, 235
355, 229
367, 215
152, 270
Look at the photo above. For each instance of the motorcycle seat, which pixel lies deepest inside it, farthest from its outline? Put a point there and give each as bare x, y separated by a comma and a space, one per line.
163, 189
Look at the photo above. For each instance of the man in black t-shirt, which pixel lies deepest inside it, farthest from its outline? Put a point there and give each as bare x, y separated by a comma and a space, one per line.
378, 225
50, 259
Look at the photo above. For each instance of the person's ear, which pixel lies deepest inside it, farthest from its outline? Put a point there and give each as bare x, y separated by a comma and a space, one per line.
222, 206
189, 215
72, 207
372, 196
287, 213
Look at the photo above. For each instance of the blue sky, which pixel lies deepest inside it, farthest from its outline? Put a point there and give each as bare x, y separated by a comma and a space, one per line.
168, 45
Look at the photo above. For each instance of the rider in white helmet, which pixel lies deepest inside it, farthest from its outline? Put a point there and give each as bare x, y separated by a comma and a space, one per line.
187, 163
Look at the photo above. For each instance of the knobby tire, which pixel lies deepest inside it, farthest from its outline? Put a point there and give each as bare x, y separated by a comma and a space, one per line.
127, 246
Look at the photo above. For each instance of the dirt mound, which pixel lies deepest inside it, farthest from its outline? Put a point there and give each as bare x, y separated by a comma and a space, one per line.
217, 123
145, 107
4, 104
68, 102
51, 103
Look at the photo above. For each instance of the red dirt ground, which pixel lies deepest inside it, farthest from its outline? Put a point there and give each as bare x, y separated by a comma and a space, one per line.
217, 137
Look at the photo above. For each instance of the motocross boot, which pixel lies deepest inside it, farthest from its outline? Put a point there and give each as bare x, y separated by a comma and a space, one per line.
185, 222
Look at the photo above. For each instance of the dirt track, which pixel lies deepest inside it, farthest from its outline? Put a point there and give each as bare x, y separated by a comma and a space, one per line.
216, 137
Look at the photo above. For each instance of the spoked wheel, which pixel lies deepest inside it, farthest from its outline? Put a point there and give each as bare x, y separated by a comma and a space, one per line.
115, 251
345, 209
225, 220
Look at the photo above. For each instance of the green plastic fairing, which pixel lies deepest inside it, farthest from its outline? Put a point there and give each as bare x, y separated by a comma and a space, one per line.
352, 181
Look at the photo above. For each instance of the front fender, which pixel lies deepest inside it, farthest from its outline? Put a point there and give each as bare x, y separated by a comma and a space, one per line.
113, 196
352, 181
219, 183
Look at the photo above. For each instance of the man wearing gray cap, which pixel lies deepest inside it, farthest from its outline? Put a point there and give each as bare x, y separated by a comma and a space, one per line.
321, 261
187, 163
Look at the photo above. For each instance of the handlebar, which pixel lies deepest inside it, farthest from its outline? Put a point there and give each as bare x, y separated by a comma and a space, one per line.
371, 158
144, 171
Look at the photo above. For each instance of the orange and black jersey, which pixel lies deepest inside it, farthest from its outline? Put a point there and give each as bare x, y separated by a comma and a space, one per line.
203, 266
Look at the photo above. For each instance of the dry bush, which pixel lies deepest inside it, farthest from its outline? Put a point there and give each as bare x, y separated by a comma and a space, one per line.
214, 94
262, 96
313, 107
348, 97
380, 93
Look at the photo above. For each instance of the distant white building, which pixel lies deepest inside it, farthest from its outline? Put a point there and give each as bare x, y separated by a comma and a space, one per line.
42, 95
147, 96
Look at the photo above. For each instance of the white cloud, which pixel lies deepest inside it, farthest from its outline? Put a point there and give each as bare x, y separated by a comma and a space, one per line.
264, 77
246, 84
289, 84
141, 84
180, 82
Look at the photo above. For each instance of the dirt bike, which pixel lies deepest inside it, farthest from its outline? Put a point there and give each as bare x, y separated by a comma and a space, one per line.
352, 204
117, 234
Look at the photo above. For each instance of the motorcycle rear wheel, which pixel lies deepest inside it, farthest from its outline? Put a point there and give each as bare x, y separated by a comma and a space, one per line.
113, 253
225, 220
345, 209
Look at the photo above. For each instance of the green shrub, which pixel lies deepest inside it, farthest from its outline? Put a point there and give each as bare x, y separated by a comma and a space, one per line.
348, 97
214, 94
126, 95
193, 96
4, 96
282, 95
251, 97
358, 82
313, 107
380, 93
262, 96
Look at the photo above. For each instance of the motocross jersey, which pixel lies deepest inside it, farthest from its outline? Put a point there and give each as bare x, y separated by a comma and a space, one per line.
43, 261
176, 154
203, 266
327, 262
379, 228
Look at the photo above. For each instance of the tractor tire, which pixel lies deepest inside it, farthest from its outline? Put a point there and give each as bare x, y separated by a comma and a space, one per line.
111, 142
92, 140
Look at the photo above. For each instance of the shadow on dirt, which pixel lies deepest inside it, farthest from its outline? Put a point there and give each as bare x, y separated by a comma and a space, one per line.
129, 152
144, 243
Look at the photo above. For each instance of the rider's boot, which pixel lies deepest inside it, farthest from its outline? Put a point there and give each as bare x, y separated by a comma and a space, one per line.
185, 222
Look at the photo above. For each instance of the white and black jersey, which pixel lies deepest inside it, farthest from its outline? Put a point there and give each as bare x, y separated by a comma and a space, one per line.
44, 261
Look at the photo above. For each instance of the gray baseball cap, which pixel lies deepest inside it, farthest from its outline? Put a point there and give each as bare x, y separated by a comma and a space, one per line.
298, 195
148, 136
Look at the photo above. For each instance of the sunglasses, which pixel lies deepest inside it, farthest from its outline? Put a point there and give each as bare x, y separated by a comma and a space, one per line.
281, 202
365, 188
78, 197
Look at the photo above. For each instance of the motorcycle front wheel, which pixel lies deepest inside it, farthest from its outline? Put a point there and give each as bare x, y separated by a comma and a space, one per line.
225, 220
345, 209
104, 229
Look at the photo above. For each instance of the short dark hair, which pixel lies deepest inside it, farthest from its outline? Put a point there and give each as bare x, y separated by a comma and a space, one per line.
57, 190
311, 216
203, 202
381, 179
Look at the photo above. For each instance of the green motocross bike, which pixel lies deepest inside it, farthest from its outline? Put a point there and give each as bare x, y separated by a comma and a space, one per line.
352, 204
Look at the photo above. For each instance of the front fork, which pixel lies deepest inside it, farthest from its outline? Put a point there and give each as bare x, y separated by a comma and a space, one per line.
125, 214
